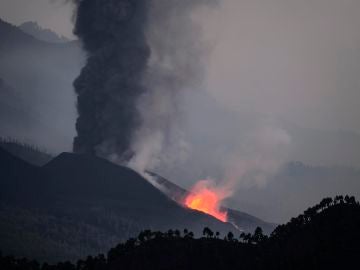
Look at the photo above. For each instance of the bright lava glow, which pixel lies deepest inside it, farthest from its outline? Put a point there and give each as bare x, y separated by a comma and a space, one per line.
207, 200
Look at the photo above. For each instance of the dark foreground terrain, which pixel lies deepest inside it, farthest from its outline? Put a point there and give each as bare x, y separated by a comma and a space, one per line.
325, 236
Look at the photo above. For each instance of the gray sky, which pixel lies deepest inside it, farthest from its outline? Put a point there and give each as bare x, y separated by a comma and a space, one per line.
281, 83
52, 14
291, 59
284, 62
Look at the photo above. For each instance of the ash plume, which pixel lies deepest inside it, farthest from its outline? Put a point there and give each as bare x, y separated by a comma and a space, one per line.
141, 55
113, 35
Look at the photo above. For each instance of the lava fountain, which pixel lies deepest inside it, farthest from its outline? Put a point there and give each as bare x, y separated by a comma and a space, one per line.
206, 198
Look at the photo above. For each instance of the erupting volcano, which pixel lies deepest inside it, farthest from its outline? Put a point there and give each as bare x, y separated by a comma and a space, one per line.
205, 198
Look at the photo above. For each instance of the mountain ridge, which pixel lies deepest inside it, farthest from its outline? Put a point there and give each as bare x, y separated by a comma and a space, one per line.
34, 29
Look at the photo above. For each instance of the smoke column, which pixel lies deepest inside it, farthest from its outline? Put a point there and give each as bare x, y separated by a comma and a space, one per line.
113, 35
141, 55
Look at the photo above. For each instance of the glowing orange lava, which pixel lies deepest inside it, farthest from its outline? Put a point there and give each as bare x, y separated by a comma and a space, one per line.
207, 200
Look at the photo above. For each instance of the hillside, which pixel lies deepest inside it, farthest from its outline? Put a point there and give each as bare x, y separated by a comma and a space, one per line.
325, 236
26, 152
12, 36
15, 38
78, 205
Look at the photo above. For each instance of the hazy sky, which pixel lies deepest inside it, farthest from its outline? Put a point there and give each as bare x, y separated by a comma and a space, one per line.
282, 83
290, 62
52, 14
292, 59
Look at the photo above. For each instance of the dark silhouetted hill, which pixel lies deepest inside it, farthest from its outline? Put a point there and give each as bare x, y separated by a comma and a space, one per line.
10, 35
324, 237
26, 152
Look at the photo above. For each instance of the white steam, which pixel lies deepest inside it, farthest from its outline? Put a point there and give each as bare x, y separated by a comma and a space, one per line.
176, 67
167, 142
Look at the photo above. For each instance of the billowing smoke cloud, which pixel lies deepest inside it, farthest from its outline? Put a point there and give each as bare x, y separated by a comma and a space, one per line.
144, 60
141, 54
113, 34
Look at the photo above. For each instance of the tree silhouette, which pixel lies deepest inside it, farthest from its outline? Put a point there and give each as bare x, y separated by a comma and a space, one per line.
326, 236
258, 236
230, 236
208, 233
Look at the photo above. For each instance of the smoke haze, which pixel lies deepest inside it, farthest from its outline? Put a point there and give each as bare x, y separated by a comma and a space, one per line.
176, 67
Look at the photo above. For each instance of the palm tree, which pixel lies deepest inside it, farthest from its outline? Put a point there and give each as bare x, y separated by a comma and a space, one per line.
170, 233
230, 236
208, 233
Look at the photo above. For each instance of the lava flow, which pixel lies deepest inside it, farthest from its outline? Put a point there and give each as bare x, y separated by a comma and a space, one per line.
206, 199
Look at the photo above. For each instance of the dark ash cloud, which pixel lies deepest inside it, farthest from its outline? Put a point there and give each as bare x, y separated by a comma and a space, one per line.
113, 34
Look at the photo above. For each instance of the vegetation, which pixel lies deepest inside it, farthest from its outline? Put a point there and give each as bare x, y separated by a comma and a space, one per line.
325, 236
27, 152
38, 234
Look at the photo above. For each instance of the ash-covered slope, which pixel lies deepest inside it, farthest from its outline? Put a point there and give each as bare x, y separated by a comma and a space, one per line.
241, 220
78, 205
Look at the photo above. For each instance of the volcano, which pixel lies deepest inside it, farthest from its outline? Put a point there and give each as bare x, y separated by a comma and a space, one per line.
77, 205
